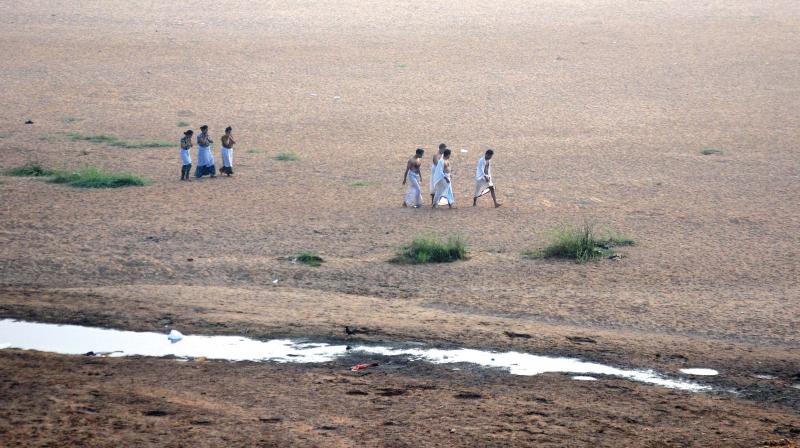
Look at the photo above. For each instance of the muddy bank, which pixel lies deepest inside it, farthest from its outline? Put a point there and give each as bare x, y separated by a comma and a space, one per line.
70, 400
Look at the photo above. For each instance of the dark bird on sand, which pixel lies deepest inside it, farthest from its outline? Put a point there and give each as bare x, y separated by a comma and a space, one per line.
352, 331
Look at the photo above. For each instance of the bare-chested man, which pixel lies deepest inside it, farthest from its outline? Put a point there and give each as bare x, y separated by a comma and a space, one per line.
436, 157
414, 194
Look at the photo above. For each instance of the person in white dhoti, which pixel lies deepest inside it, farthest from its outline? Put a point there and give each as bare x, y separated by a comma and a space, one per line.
443, 193
227, 152
484, 183
436, 157
186, 158
205, 158
414, 194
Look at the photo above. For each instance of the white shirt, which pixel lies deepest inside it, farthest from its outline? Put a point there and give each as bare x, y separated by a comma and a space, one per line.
481, 167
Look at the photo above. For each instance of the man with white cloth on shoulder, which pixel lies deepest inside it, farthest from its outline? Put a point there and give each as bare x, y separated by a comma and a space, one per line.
443, 182
483, 179
437, 156
414, 195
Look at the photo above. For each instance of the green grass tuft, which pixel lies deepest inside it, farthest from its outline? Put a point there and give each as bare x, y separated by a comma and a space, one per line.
144, 144
309, 257
91, 177
360, 183
182, 124
581, 244
710, 151
287, 157
116, 142
433, 250
30, 170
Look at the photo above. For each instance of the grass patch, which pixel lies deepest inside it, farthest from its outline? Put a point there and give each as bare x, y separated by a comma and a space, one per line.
254, 151
91, 177
30, 170
360, 183
309, 258
69, 120
710, 151
116, 142
581, 244
433, 250
287, 157
4, 135
182, 124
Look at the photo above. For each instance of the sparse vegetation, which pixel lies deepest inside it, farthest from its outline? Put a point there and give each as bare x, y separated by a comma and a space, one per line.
710, 151
116, 142
580, 244
309, 258
32, 169
433, 250
360, 183
182, 124
91, 177
253, 151
287, 157
69, 119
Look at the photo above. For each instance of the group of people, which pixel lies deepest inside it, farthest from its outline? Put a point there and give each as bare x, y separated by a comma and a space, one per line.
441, 183
205, 157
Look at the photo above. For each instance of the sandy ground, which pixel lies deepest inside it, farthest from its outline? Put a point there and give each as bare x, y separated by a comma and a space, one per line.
598, 111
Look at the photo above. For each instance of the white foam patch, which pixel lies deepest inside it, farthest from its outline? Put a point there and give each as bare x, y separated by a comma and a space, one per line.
75, 340
700, 372
584, 378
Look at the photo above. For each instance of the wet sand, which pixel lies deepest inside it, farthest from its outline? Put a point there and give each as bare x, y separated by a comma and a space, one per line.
597, 110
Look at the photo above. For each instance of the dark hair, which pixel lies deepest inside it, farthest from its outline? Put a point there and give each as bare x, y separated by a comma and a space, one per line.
489, 152
442, 146
446, 153
204, 127
228, 129
189, 132
420, 151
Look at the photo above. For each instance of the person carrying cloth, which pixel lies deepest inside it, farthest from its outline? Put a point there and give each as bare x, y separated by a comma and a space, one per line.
483, 179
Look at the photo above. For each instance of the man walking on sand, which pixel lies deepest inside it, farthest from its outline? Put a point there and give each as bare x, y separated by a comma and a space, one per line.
414, 195
436, 157
443, 181
483, 179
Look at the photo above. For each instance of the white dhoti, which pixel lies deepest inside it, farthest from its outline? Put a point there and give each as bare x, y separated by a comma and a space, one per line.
443, 194
414, 193
482, 187
205, 162
433, 173
227, 157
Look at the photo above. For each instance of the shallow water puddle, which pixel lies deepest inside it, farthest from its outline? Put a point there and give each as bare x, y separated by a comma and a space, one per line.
75, 340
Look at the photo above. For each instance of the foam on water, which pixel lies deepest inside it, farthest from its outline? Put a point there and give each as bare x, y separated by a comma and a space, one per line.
700, 372
75, 340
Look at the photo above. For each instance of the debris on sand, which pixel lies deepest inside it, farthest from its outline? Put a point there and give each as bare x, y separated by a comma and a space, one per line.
351, 331
174, 336
512, 335
358, 367
29, 122
581, 340
468, 395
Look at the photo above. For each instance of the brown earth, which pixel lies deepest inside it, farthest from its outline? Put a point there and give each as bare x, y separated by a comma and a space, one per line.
597, 110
